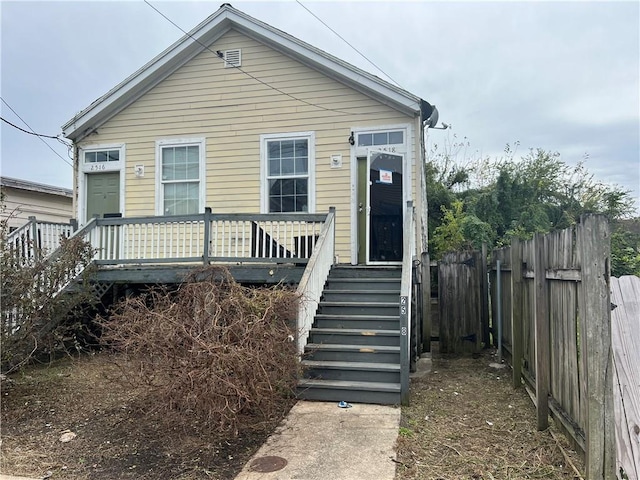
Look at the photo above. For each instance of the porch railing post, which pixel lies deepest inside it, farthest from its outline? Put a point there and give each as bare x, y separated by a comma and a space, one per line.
34, 247
207, 234
404, 349
332, 211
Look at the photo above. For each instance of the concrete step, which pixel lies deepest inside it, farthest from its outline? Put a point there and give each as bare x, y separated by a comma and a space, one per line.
363, 295
352, 353
349, 391
369, 322
360, 308
354, 336
351, 371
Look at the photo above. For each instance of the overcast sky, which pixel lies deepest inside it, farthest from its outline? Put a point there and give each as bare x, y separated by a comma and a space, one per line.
558, 76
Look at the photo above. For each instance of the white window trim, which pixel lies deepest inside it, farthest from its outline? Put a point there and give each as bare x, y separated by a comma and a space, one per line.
311, 187
85, 169
407, 149
180, 142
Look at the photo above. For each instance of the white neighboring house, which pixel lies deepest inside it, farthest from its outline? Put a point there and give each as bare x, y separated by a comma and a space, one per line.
24, 199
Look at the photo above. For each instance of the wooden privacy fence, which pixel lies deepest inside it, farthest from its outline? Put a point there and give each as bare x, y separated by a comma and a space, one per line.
556, 313
462, 302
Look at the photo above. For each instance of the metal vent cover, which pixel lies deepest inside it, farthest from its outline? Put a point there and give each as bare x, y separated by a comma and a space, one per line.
232, 58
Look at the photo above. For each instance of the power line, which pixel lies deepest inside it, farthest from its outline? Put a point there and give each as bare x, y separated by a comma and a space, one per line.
39, 136
26, 131
244, 71
345, 41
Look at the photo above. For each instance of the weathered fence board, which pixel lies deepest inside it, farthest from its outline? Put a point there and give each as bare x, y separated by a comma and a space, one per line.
595, 337
460, 277
558, 332
625, 339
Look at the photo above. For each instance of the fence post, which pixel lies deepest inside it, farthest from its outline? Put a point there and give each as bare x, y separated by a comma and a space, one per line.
484, 303
516, 311
541, 318
595, 310
207, 234
425, 266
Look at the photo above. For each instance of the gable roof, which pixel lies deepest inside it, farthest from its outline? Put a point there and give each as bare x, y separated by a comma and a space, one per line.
206, 33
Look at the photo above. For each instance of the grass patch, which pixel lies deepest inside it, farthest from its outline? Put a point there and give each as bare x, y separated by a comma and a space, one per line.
469, 423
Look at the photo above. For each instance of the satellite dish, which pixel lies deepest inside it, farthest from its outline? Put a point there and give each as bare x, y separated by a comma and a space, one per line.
432, 121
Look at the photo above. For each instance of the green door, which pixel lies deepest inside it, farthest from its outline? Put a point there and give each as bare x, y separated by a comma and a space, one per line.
362, 210
103, 194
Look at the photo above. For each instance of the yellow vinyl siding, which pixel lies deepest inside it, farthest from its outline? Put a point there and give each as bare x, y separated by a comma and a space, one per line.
231, 110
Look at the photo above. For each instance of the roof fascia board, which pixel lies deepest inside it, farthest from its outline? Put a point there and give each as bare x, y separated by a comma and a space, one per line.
19, 184
326, 63
145, 78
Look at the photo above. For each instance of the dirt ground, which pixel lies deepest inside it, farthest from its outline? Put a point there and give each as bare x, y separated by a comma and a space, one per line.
114, 440
467, 422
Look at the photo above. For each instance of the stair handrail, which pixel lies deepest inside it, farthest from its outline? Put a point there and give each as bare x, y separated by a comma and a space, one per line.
80, 267
314, 277
27, 244
408, 248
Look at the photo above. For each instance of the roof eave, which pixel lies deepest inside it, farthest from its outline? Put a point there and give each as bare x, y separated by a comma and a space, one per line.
208, 31
145, 78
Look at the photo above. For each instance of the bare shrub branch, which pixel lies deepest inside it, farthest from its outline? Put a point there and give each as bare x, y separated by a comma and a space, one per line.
37, 317
211, 351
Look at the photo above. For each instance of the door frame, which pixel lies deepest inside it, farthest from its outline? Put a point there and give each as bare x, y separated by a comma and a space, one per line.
407, 149
91, 169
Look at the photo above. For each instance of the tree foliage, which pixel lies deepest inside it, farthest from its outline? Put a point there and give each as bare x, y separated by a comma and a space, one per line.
485, 201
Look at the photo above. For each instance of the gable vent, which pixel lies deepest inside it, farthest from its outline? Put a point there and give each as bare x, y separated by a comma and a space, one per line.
232, 58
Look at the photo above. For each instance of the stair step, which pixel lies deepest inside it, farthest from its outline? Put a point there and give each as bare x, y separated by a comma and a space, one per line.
392, 367
361, 295
354, 336
356, 353
352, 371
344, 271
349, 391
360, 308
363, 283
375, 322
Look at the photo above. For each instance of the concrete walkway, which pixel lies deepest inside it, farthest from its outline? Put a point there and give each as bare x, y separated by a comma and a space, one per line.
11, 477
318, 441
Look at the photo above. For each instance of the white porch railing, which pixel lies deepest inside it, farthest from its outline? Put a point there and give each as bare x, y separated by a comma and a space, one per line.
275, 238
313, 279
406, 290
36, 238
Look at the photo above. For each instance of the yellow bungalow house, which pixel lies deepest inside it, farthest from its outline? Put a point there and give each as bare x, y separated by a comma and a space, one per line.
266, 150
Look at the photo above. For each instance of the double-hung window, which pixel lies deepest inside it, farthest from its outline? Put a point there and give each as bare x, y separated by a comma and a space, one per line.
180, 166
288, 164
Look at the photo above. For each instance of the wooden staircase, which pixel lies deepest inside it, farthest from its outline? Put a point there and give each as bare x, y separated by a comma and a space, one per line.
353, 351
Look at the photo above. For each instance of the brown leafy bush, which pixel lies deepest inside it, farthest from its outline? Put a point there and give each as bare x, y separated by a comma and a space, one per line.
37, 317
211, 351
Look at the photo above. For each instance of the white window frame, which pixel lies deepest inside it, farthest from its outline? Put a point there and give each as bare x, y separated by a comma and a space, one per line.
311, 168
85, 169
181, 142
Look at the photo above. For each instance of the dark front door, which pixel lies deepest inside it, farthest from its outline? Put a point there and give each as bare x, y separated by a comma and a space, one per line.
384, 219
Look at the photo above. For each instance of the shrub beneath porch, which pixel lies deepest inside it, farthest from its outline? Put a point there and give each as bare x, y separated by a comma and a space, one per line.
211, 351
